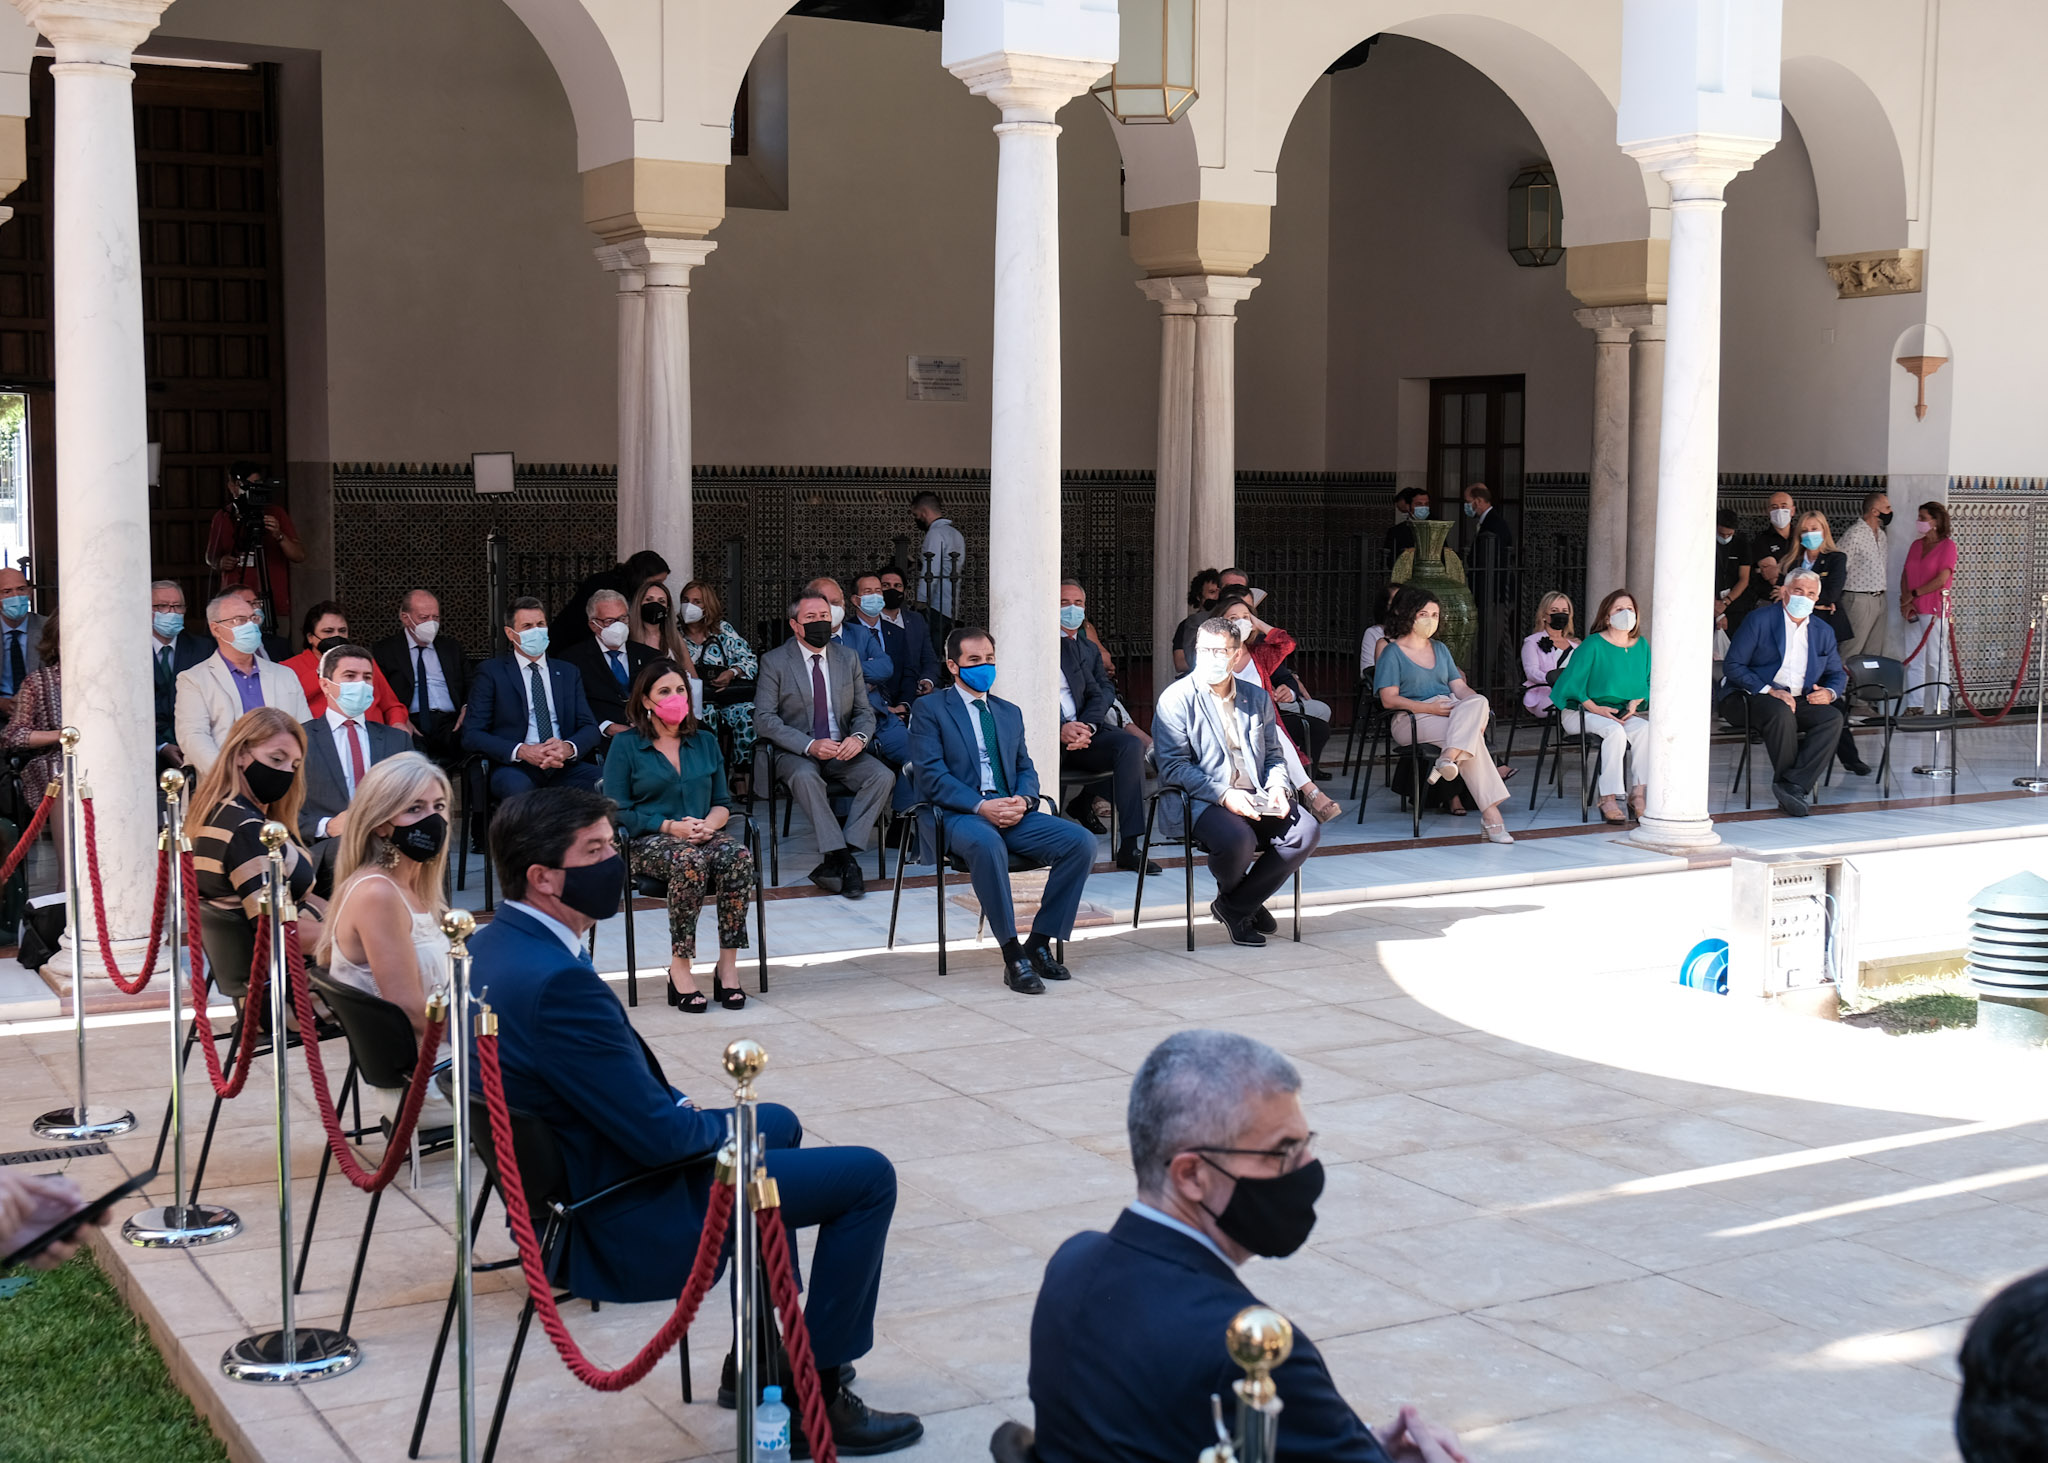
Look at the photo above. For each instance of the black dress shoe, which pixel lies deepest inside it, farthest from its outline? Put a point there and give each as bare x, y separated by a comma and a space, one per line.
1019, 976
1853, 764
858, 1430
1132, 858
1038, 955
1263, 921
1082, 811
1790, 799
851, 884
728, 1385
1242, 931
828, 876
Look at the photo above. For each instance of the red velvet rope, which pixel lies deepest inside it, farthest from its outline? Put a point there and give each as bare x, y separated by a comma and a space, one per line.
709, 1244
2019, 676
415, 1092
796, 1337
99, 903
1924, 634
28, 836
259, 968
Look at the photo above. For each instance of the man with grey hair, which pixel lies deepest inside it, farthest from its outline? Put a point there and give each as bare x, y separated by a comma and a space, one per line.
213, 694
609, 662
1783, 678
173, 650
1226, 1169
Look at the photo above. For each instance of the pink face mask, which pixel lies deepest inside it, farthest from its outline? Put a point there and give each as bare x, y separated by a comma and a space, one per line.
1922, 527
672, 708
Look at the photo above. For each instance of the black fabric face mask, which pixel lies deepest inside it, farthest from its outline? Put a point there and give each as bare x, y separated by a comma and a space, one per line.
1558, 622
653, 613
817, 634
1271, 1217
266, 783
422, 840
892, 599
594, 890
1884, 520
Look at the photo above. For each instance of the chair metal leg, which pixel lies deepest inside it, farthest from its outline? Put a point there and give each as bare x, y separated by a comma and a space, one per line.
1297, 904
164, 1133
419, 1424
683, 1351
896, 900
313, 1218
213, 1119
505, 1387
355, 1280
1187, 863
1138, 904
939, 838
774, 839
760, 922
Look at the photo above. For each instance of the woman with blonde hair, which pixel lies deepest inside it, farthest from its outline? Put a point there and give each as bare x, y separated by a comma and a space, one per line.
1813, 549
1546, 648
383, 933
254, 780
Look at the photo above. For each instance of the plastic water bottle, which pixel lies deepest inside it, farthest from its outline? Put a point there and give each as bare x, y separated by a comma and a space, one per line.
771, 1428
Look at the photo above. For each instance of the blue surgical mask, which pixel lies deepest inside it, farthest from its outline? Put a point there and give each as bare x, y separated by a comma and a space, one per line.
1071, 616
1799, 606
248, 637
1470, 511
168, 625
1810, 539
16, 606
1419, 512
870, 604
978, 678
353, 698
534, 643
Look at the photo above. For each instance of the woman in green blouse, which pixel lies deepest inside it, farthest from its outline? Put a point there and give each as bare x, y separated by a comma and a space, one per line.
668, 777
1604, 691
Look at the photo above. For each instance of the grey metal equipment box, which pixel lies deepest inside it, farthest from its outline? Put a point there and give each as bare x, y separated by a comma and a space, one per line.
1792, 923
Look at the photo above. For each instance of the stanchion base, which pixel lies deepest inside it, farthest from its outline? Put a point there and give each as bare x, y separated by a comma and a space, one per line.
177, 1229
2031, 784
72, 1126
319, 1353
1934, 772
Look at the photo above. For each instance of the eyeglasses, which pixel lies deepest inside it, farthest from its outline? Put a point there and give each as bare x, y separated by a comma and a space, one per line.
236, 622
1292, 1153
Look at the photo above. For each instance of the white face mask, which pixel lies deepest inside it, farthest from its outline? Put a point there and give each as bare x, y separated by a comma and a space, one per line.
1622, 620
613, 635
1781, 519
424, 632
692, 612
838, 616
1213, 667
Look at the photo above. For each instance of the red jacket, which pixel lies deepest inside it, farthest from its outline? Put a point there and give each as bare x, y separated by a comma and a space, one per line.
386, 708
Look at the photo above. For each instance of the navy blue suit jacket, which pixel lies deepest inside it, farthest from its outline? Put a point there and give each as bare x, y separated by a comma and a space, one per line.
573, 1060
943, 751
1087, 680
497, 708
187, 650
1138, 1390
916, 660
1757, 653
877, 665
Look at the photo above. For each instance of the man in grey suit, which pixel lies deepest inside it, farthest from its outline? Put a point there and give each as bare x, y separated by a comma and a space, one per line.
21, 635
811, 705
1213, 737
341, 746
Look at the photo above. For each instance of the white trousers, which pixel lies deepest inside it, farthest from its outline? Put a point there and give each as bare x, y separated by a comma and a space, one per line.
1615, 736
1931, 664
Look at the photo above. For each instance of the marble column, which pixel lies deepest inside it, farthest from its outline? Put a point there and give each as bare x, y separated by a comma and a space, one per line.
1607, 496
1681, 631
102, 439
632, 390
1173, 475
1024, 389
1212, 500
662, 458
1645, 447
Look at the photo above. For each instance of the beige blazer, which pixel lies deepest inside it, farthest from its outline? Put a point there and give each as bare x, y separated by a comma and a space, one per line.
209, 704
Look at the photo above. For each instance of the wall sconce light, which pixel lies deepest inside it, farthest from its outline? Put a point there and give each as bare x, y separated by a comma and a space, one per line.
1535, 218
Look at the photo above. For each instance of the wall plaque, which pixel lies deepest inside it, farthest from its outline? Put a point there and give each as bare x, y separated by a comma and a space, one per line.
937, 378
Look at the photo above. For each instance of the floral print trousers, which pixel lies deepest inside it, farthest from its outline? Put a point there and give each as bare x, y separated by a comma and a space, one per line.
723, 867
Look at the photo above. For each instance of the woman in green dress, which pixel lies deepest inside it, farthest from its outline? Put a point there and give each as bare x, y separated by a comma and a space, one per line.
1604, 690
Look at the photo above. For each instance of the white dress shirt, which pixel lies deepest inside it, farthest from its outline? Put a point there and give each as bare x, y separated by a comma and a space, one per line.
548, 922
438, 698
1792, 674
1868, 560
1145, 1211
336, 724
824, 664
547, 689
988, 777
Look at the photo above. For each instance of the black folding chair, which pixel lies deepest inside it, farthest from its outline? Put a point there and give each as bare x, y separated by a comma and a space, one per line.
953, 863
1073, 783
1880, 681
1188, 844
229, 939
1556, 735
546, 1180
382, 1052
474, 775
657, 888
1411, 755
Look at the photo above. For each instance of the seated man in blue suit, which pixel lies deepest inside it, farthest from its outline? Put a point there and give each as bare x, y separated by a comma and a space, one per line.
528, 714
572, 1059
1784, 663
971, 761
1089, 742
918, 666
1226, 1170
863, 636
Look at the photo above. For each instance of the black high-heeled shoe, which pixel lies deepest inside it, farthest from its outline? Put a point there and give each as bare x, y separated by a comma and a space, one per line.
693, 1004
732, 998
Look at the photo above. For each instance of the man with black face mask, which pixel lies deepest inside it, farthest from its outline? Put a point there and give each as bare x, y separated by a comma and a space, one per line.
1226, 1169
571, 1057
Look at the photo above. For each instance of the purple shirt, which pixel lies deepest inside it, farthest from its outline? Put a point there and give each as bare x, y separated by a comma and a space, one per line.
249, 687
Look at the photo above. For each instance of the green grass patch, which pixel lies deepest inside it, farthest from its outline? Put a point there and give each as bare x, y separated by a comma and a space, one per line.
81, 1382
1914, 1006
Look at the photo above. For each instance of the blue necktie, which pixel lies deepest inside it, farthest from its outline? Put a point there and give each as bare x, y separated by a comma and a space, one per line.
618, 668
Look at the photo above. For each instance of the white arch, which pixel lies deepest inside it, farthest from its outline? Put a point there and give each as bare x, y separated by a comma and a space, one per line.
1859, 171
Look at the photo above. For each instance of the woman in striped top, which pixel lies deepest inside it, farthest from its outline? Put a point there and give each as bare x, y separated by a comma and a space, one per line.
256, 779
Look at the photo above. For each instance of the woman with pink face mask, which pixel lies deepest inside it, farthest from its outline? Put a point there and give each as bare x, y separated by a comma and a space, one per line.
667, 776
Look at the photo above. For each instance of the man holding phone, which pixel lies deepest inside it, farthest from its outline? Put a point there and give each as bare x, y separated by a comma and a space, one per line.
31, 1203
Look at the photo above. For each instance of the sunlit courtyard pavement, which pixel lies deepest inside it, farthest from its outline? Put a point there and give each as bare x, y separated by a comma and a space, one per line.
1574, 1210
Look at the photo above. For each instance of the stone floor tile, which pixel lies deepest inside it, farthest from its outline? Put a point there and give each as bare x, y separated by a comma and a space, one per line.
982, 1347
1362, 1199
1319, 1290
1507, 1172
1629, 1431
1017, 1180
934, 1029
1990, 1247
1459, 1373
1421, 1063
1005, 1066
1481, 1262
1542, 1102
1628, 1329
1071, 1109
864, 1081
971, 1261
1836, 1284
911, 1131
1662, 1231
1871, 1414
1669, 1141
1215, 998
1396, 1122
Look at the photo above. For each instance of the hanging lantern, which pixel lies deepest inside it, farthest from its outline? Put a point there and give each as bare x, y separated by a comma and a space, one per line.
1154, 77
1535, 217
